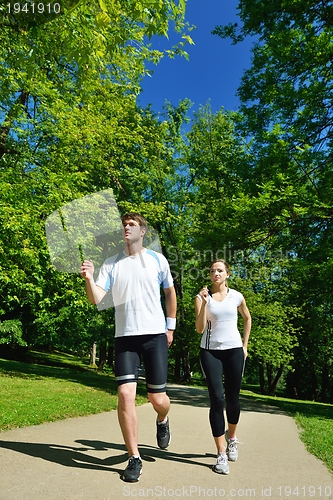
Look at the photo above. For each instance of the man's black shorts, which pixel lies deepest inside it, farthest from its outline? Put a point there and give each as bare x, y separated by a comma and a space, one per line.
154, 351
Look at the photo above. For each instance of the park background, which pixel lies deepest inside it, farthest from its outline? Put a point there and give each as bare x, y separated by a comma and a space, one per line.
252, 185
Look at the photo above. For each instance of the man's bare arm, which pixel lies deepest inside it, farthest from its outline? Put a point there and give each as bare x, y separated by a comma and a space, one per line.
94, 292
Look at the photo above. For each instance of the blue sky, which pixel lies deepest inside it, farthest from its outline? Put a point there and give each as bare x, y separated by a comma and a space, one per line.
215, 66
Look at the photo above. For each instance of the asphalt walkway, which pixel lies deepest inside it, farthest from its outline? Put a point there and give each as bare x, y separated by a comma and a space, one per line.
82, 458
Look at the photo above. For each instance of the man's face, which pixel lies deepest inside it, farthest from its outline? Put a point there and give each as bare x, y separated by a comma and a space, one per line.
132, 231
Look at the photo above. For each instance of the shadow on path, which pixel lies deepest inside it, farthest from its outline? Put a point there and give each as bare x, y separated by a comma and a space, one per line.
80, 457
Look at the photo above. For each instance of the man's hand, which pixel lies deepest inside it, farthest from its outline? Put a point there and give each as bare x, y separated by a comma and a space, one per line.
87, 269
169, 334
94, 292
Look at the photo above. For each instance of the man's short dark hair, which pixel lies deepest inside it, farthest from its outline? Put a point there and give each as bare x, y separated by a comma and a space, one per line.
135, 216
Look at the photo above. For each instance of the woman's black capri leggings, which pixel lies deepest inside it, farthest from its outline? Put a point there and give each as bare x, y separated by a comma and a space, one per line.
215, 364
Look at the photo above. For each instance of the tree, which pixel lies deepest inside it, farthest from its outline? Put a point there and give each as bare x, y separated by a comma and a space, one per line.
286, 103
274, 335
68, 92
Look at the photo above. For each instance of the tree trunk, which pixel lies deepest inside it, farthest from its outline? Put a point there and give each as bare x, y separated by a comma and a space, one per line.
272, 387
102, 356
92, 361
186, 366
177, 366
262, 379
325, 384
292, 386
314, 383
269, 371
111, 357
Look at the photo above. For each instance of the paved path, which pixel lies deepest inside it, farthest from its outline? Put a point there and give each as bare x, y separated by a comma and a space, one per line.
82, 458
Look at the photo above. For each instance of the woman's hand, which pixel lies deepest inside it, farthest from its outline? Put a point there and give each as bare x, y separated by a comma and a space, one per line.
204, 294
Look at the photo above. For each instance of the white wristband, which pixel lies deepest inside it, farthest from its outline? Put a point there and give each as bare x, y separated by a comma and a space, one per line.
171, 323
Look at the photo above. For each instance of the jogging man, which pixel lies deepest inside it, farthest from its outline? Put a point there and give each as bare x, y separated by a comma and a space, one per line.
134, 278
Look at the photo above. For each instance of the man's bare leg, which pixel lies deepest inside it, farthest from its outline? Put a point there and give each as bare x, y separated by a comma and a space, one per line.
161, 404
127, 417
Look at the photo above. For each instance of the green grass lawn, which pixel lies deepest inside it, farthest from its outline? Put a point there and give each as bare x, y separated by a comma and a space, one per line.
57, 386
31, 394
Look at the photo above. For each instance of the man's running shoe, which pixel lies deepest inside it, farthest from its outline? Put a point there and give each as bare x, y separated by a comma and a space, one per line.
133, 470
163, 434
221, 466
232, 450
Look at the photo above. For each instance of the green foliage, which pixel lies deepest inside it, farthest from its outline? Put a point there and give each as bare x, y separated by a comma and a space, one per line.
70, 126
216, 159
286, 109
11, 332
95, 34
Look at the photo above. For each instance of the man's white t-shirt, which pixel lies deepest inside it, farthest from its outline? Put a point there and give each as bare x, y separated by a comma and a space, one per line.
135, 283
221, 331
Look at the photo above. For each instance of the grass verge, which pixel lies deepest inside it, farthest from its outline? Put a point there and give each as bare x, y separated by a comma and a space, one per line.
314, 420
31, 394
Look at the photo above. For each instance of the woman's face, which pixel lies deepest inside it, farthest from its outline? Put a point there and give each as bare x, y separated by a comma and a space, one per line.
218, 273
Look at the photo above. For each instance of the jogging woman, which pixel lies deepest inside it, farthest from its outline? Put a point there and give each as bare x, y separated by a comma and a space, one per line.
222, 356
